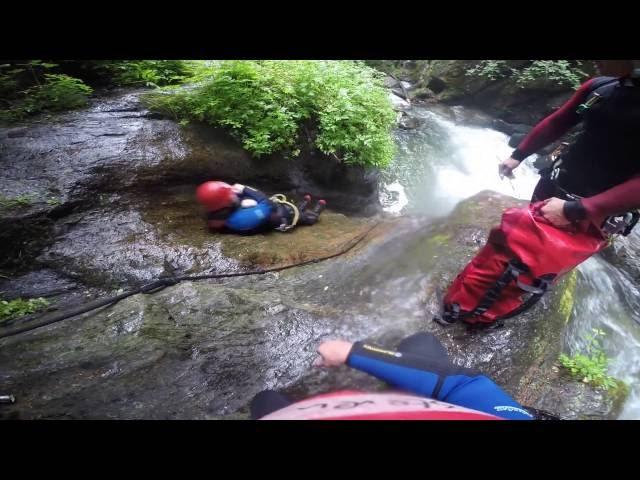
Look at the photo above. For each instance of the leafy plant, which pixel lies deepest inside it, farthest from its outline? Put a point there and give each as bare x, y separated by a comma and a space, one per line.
57, 92
15, 202
149, 73
491, 69
15, 76
591, 366
560, 72
340, 106
19, 307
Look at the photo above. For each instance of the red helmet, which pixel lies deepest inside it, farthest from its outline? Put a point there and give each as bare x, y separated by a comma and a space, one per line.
215, 195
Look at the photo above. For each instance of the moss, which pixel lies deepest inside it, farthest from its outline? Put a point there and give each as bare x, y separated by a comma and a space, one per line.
619, 394
20, 201
567, 300
440, 239
19, 307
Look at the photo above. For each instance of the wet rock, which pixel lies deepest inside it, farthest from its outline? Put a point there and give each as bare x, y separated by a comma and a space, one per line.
17, 132
22, 237
203, 349
512, 129
570, 399
398, 103
40, 283
60, 291
63, 165
399, 93
436, 85
165, 234
515, 139
468, 116
408, 122
390, 82
422, 93
624, 253
197, 350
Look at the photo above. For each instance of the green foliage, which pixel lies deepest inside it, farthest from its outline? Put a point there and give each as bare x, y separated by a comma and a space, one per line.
14, 77
9, 82
491, 69
28, 87
560, 72
591, 366
15, 202
24, 201
148, 73
59, 92
55, 92
341, 106
19, 307
356, 116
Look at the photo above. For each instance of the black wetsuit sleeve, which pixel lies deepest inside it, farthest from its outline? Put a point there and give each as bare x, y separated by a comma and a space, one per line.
417, 373
254, 194
437, 378
553, 126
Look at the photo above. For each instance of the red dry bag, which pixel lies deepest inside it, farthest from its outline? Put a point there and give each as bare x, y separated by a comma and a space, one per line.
521, 258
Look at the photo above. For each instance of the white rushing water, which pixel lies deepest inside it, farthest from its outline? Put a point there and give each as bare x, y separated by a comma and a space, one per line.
441, 163
607, 299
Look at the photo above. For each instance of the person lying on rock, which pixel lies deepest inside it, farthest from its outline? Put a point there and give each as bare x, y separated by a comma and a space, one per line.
245, 210
427, 386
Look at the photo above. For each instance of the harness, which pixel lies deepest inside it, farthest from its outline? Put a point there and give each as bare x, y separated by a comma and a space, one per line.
281, 199
621, 224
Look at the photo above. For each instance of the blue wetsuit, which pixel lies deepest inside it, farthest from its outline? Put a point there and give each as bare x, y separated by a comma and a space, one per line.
251, 219
264, 216
419, 367
436, 377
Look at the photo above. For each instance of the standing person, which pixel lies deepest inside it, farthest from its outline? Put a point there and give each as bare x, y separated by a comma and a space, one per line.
598, 177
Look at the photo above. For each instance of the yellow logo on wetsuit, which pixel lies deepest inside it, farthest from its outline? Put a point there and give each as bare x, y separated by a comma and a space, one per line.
380, 350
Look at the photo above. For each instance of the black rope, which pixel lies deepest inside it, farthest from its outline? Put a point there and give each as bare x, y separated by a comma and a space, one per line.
162, 283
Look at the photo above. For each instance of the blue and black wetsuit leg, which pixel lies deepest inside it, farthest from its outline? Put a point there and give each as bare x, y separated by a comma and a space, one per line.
422, 367
302, 206
285, 214
310, 217
266, 402
425, 344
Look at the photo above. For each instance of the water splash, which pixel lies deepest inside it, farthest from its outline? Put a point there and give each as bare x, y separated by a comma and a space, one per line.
393, 197
441, 163
605, 297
